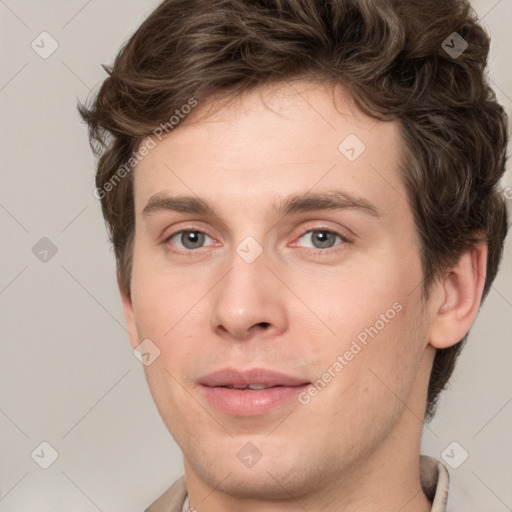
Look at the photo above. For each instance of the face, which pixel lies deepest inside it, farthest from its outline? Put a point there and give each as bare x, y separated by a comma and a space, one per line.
316, 298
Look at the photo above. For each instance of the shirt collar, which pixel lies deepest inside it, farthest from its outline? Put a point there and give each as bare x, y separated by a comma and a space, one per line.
435, 480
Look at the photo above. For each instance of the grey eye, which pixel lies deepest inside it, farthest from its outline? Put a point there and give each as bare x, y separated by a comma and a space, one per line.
321, 238
189, 239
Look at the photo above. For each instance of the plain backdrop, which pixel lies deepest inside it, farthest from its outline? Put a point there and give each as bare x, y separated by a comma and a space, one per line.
68, 376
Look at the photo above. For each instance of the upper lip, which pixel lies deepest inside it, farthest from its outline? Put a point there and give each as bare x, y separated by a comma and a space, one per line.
234, 377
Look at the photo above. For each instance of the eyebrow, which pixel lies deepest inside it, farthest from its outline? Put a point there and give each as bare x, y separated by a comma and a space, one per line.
329, 200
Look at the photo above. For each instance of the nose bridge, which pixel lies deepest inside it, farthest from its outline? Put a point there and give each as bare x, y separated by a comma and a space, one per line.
248, 272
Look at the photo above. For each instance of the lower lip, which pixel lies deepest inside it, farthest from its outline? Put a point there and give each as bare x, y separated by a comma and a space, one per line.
251, 403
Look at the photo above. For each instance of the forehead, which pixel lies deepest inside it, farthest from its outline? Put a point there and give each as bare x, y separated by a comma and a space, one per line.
273, 142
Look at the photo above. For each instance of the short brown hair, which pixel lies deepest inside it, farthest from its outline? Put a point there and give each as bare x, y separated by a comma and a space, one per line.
391, 56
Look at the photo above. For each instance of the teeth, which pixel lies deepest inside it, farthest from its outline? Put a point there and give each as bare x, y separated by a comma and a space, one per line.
250, 386
257, 386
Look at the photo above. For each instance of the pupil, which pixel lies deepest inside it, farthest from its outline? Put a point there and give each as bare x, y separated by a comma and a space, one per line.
192, 239
324, 234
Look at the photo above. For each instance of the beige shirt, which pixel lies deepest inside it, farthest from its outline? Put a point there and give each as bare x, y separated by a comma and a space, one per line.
434, 480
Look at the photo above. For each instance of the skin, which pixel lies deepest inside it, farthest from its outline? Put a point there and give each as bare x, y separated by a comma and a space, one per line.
354, 446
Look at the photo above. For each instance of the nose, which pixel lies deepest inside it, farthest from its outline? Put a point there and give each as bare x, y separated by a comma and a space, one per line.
249, 301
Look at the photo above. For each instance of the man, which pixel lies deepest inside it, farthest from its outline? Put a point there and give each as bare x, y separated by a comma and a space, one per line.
303, 201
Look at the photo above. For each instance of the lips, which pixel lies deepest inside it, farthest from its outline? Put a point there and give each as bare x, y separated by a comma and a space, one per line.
253, 392
232, 378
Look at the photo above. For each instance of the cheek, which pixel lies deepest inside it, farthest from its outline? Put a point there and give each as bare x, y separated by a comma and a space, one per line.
358, 305
378, 326
391, 358
160, 298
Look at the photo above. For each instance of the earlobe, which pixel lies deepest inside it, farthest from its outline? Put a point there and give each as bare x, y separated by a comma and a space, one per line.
128, 314
459, 297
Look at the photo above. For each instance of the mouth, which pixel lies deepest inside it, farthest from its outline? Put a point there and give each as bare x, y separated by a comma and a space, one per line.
253, 392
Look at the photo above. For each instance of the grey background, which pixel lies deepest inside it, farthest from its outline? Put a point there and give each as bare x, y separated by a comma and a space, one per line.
67, 372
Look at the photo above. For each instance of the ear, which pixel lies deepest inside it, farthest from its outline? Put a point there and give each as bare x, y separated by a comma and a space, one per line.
129, 317
458, 298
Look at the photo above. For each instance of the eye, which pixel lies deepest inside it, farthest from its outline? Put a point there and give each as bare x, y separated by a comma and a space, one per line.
322, 238
189, 240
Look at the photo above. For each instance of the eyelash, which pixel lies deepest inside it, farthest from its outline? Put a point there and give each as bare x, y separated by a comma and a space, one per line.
321, 229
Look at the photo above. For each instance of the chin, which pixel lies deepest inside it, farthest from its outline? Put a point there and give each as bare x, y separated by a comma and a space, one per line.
273, 477
257, 485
